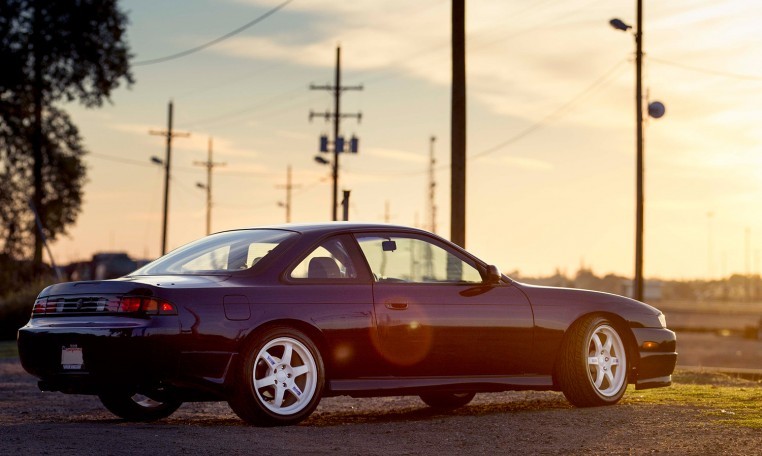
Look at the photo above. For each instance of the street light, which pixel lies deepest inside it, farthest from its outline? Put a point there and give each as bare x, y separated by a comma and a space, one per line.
620, 25
656, 109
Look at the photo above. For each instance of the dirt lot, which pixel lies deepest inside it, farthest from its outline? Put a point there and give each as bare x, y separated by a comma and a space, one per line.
32, 422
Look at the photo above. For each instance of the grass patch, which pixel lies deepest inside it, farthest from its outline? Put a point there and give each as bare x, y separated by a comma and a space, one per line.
730, 400
8, 349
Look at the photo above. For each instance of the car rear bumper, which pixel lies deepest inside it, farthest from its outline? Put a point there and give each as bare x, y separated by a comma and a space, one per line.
115, 352
658, 356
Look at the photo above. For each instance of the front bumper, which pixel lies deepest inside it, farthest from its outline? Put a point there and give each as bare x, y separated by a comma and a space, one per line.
658, 356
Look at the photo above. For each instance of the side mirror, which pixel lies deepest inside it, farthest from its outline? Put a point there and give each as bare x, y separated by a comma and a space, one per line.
493, 275
389, 246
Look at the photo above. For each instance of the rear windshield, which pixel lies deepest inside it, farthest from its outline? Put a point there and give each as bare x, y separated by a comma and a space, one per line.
219, 253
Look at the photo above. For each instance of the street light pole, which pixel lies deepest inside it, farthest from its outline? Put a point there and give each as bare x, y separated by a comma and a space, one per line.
658, 111
209, 164
639, 211
169, 134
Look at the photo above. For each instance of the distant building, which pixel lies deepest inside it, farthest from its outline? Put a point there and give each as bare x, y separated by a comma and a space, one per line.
652, 290
104, 265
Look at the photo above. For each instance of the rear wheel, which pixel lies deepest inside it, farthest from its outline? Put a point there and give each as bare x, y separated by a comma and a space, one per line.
139, 407
447, 401
593, 367
280, 379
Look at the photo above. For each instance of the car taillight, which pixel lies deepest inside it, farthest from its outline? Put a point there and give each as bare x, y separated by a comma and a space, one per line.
40, 306
148, 306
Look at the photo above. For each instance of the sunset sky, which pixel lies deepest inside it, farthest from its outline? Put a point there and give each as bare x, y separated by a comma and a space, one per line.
551, 147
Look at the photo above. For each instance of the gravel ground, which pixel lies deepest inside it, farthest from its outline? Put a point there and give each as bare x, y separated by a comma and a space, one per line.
32, 422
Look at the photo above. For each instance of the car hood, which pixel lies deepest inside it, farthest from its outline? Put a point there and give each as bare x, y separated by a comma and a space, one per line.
138, 285
556, 296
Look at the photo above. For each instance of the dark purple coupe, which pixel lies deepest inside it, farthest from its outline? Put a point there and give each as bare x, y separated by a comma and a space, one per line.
272, 319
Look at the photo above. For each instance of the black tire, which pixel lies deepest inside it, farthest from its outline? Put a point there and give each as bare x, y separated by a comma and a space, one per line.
593, 366
447, 401
138, 407
297, 379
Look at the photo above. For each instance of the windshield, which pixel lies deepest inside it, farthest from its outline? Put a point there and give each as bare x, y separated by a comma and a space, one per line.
219, 253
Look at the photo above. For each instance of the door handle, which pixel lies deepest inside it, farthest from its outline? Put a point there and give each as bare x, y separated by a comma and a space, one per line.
396, 305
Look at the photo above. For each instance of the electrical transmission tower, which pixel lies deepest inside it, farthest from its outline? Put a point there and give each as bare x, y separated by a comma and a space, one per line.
337, 145
169, 134
209, 165
432, 187
289, 187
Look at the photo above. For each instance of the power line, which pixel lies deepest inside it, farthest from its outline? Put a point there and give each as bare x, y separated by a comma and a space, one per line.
230, 81
390, 73
541, 25
380, 75
559, 111
120, 159
213, 42
267, 102
725, 74
136, 162
605, 78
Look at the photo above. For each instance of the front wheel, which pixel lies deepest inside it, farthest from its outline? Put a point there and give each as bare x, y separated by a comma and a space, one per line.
280, 379
593, 366
138, 407
447, 401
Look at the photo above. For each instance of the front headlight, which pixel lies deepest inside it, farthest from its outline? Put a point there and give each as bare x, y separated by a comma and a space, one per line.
663, 320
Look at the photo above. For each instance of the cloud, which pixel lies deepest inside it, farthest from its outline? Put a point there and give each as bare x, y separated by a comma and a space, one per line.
529, 164
513, 65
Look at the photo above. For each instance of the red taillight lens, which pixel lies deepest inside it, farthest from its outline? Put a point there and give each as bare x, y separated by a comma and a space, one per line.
166, 308
129, 304
40, 305
149, 306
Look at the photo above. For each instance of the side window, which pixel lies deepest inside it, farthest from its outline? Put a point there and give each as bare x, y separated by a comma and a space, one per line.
329, 261
411, 259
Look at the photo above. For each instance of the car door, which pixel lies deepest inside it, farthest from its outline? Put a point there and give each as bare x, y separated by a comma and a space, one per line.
435, 315
331, 287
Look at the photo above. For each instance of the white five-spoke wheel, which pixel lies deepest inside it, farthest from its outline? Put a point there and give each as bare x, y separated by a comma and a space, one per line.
285, 376
282, 378
593, 368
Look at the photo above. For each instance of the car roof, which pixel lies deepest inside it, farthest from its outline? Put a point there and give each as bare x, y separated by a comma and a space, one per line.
328, 227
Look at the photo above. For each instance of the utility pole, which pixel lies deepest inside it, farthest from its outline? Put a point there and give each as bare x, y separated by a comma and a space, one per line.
432, 187
639, 211
169, 134
345, 205
387, 212
458, 126
289, 186
209, 165
336, 115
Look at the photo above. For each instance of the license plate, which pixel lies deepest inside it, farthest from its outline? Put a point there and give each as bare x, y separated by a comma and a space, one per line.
71, 358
